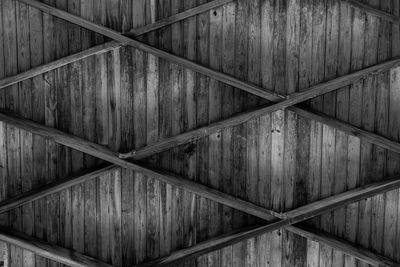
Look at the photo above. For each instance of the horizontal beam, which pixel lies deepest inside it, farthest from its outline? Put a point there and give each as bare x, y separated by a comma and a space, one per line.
309, 93
103, 48
54, 187
374, 11
253, 89
343, 245
50, 251
106, 154
294, 216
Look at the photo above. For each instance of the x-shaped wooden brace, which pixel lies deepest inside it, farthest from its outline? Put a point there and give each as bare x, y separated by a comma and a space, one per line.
277, 220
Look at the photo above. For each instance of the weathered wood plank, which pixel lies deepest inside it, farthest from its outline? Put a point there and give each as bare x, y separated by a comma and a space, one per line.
228, 54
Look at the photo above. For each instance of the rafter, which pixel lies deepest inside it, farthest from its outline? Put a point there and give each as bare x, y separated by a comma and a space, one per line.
294, 216
109, 46
374, 11
50, 251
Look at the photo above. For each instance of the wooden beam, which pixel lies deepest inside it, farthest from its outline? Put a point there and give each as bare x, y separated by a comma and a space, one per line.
54, 187
50, 251
253, 89
106, 154
306, 94
294, 216
343, 245
103, 48
374, 11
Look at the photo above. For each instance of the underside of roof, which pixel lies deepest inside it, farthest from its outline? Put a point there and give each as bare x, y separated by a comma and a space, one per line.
199, 133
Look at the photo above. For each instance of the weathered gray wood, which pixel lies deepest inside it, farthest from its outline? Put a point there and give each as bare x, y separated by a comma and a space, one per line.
176, 17
256, 90
53, 187
295, 98
109, 46
342, 245
349, 129
374, 11
294, 216
110, 156
50, 251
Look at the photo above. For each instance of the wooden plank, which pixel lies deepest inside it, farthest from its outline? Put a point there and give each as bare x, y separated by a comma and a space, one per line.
51, 203
294, 216
202, 118
139, 118
265, 128
215, 140
292, 256
342, 245
12, 135
189, 122
54, 187
127, 136
39, 247
165, 125
374, 11
239, 134
152, 120
26, 142
393, 132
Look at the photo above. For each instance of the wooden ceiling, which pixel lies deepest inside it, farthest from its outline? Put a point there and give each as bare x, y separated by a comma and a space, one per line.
257, 133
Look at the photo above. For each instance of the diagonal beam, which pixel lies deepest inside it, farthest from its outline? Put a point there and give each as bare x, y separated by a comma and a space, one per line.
106, 154
374, 11
294, 216
309, 93
282, 102
50, 251
103, 48
256, 90
343, 245
54, 187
